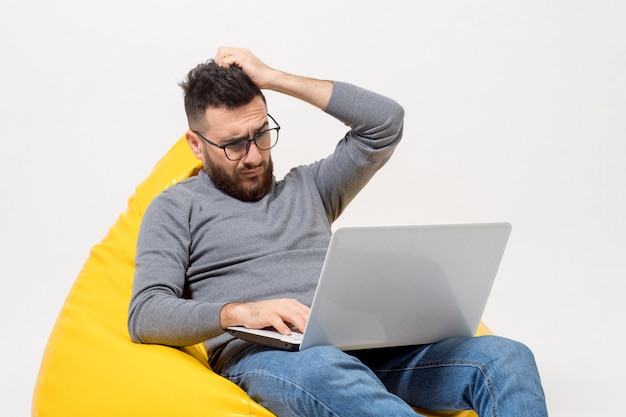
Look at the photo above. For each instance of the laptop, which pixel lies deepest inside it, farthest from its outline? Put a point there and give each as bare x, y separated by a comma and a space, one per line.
384, 286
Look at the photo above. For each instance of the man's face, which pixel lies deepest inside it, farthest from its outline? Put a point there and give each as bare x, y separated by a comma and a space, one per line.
249, 178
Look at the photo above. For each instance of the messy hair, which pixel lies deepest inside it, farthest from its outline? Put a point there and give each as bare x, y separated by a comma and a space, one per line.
210, 85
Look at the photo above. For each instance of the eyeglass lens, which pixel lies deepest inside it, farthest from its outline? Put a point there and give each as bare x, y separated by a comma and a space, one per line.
264, 140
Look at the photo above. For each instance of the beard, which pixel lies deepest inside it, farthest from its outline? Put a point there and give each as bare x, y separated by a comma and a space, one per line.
249, 191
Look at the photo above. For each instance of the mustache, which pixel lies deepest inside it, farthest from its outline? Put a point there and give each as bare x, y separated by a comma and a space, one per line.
248, 167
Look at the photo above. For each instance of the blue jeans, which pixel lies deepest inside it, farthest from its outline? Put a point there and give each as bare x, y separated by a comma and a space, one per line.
492, 375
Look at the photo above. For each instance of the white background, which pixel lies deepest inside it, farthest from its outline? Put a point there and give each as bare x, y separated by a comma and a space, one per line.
514, 112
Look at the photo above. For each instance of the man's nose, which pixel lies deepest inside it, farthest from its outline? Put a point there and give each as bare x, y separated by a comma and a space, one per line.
254, 155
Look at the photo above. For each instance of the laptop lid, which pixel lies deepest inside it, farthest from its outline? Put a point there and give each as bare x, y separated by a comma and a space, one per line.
402, 285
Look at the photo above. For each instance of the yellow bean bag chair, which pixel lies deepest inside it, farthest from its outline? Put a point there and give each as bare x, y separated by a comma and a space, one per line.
91, 368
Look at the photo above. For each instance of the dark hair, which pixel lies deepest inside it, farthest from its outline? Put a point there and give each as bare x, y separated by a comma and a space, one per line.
210, 85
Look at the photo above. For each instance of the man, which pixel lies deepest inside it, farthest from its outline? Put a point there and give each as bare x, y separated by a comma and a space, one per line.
233, 246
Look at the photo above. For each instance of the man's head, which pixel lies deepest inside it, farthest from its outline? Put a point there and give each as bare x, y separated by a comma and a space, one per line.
223, 105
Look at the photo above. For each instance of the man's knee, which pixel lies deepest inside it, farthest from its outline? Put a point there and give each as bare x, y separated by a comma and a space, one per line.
506, 353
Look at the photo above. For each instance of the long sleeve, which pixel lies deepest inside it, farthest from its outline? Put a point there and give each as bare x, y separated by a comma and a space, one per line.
376, 126
159, 311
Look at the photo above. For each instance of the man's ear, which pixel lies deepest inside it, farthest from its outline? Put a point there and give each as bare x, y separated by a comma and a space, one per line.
194, 143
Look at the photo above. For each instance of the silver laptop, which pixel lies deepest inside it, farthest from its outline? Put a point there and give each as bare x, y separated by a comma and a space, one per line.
388, 286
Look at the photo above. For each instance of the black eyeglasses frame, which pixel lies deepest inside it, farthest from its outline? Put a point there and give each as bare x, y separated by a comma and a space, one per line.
248, 141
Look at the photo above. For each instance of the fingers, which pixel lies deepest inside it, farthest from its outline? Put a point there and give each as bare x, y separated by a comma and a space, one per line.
224, 56
241, 57
256, 69
278, 313
292, 313
282, 314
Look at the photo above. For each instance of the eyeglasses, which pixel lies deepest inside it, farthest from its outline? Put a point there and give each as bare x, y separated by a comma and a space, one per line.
239, 148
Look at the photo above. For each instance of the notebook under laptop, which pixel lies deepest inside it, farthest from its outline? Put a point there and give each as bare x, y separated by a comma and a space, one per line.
387, 286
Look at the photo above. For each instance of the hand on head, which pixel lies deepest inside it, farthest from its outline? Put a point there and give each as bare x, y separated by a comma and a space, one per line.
256, 69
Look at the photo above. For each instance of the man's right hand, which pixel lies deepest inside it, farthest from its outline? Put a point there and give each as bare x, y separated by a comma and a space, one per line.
260, 73
313, 91
281, 313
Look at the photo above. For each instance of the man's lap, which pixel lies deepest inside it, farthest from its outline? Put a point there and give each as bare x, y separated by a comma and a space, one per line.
435, 376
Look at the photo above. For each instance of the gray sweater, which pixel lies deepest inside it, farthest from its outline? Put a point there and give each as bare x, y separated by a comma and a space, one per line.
199, 248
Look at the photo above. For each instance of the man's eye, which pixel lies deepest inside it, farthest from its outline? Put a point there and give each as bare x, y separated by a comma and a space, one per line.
238, 145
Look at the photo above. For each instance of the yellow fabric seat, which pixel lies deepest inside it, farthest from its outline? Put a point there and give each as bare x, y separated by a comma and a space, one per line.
91, 368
